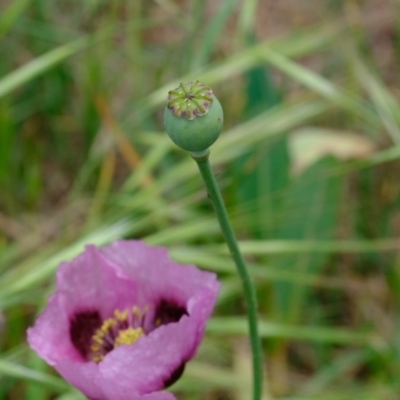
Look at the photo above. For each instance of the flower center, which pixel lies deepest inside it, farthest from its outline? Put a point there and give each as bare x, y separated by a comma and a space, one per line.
124, 328
94, 338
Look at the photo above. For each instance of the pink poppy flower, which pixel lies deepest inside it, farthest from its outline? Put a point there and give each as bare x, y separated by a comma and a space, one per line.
124, 320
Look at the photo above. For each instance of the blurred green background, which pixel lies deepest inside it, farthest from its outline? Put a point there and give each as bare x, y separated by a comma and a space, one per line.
308, 164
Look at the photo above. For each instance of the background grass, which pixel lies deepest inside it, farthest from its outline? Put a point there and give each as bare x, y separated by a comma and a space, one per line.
308, 164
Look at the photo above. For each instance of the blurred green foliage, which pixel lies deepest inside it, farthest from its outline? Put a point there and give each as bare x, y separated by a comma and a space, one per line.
307, 163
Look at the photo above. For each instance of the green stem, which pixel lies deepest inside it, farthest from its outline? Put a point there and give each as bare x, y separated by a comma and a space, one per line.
248, 287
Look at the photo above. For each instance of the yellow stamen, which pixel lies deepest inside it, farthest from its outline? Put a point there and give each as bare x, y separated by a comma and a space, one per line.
136, 311
128, 336
123, 328
121, 315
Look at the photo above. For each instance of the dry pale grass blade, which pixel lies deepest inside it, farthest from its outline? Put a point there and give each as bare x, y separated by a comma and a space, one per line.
309, 41
308, 145
129, 153
384, 102
320, 85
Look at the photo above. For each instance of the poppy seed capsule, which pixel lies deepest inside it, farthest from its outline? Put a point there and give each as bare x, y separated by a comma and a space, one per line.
193, 117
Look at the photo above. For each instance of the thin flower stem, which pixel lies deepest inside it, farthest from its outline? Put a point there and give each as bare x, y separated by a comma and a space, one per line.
248, 287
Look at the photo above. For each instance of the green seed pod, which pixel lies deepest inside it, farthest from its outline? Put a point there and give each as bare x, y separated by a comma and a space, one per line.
193, 117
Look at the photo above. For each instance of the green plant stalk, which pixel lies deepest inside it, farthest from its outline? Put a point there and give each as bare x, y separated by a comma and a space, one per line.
248, 287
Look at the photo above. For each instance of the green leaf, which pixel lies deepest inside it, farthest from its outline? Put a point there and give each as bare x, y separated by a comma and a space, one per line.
309, 212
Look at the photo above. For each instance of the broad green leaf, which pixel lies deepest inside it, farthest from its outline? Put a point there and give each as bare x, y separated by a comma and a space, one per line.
309, 212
